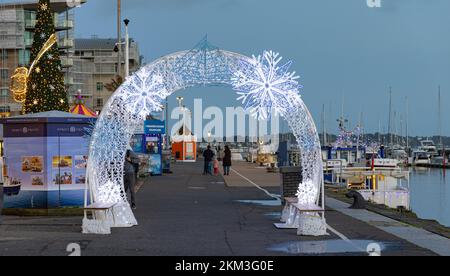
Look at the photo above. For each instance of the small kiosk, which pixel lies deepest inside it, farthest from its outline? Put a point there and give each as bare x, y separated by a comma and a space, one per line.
184, 146
45, 159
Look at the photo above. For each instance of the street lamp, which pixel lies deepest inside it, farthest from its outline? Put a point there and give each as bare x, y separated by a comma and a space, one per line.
180, 101
127, 50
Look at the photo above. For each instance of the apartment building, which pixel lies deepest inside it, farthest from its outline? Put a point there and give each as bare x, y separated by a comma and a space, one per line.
95, 64
17, 24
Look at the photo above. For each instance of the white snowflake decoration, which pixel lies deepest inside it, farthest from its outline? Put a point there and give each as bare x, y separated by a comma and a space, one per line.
109, 193
263, 86
143, 93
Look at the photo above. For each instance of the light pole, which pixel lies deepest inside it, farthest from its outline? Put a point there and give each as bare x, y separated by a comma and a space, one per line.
119, 37
127, 49
118, 49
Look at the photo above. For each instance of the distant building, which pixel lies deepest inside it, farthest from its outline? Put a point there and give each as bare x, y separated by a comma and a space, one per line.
95, 65
17, 23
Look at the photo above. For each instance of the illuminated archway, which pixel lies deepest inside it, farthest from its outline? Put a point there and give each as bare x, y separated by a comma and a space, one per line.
263, 85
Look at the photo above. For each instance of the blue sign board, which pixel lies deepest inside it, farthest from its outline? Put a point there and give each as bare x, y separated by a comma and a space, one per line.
152, 127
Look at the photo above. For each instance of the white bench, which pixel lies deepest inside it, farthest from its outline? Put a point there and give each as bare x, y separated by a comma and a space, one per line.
98, 207
292, 211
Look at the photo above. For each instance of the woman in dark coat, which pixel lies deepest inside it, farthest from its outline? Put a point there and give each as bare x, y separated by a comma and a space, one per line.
227, 161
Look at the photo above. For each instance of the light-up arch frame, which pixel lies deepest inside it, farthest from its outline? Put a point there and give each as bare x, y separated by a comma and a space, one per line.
144, 92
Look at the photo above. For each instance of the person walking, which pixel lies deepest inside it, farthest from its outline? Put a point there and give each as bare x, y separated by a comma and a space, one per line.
227, 161
130, 178
208, 155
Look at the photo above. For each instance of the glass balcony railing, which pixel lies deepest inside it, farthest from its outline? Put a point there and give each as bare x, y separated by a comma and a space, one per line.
64, 24
68, 80
59, 24
66, 62
66, 43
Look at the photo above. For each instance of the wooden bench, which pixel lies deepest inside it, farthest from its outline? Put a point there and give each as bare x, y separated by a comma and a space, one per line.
100, 207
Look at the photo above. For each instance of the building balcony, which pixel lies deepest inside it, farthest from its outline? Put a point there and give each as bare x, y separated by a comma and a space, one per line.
66, 43
63, 25
68, 81
63, 44
30, 24
66, 62
60, 25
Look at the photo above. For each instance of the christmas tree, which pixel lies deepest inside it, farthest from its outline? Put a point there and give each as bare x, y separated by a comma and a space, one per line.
45, 89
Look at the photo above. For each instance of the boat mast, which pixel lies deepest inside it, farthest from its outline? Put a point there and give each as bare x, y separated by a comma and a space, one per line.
390, 117
407, 123
440, 116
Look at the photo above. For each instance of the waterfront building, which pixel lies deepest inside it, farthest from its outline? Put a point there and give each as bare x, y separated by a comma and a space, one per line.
95, 65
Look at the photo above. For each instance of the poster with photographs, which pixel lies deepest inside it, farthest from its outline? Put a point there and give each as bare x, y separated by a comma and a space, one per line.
80, 178
62, 162
81, 162
64, 177
37, 180
32, 164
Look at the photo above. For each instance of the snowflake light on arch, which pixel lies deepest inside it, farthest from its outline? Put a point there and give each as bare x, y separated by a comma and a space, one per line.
143, 93
263, 86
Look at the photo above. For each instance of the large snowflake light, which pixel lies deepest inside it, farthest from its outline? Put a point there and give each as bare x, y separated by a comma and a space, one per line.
263, 86
143, 93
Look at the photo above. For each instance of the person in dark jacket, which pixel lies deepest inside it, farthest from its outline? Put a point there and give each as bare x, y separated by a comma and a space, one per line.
130, 178
227, 161
208, 155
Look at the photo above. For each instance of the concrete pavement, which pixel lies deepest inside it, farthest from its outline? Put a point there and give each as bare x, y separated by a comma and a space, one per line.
187, 214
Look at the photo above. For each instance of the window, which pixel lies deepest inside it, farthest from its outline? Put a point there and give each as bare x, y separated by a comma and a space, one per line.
100, 86
4, 54
4, 74
4, 92
5, 109
99, 102
24, 57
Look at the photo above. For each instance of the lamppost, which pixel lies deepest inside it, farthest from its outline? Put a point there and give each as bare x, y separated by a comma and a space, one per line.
118, 49
127, 49
119, 37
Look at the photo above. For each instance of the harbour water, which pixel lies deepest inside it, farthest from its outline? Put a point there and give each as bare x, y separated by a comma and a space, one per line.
430, 194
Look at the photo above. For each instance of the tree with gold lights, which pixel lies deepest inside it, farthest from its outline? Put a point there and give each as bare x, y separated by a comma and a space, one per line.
45, 89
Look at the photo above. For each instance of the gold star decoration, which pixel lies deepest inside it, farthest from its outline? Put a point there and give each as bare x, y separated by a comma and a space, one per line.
44, 7
38, 70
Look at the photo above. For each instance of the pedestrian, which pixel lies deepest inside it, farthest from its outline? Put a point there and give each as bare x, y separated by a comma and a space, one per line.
208, 155
216, 166
227, 161
130, 178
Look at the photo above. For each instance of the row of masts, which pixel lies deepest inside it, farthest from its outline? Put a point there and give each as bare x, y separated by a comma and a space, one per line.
394, 137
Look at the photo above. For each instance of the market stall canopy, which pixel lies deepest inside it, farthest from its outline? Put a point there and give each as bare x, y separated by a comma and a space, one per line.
81, 109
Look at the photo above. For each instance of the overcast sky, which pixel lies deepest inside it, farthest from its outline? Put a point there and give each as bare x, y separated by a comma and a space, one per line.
341, 48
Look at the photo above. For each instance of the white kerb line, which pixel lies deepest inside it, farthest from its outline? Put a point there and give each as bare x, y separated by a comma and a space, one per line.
257, 186
337, 233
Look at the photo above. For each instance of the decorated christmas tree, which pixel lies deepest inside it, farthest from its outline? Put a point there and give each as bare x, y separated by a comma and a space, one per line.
45, 90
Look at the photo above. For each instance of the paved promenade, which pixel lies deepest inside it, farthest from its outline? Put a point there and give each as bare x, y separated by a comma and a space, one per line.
187, 214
